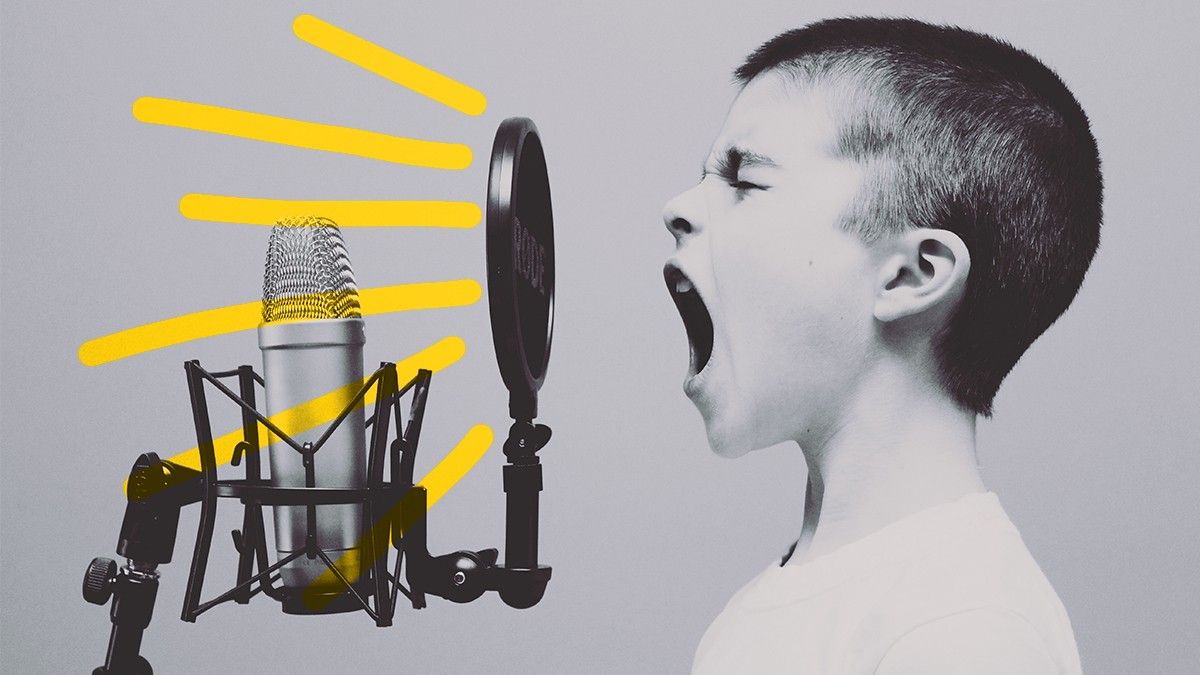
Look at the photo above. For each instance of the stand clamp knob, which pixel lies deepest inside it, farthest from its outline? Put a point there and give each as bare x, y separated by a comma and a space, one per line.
98, 580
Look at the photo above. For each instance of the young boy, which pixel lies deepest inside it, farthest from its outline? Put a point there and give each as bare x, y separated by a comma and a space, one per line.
891, 214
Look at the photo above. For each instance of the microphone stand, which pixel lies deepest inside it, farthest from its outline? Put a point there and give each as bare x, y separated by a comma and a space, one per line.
157, 491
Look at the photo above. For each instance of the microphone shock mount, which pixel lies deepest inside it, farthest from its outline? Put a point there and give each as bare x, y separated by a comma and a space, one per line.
394, 518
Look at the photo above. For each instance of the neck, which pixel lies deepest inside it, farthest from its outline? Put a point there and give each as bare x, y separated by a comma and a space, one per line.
898, 450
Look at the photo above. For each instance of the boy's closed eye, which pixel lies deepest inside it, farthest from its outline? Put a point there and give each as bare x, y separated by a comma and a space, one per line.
728, 167
743, 186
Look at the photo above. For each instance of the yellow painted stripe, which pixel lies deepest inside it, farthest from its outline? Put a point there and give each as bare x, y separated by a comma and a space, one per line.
388, 65
325, 408
227, 209
311, 135
223, 320
438, 482
456, 464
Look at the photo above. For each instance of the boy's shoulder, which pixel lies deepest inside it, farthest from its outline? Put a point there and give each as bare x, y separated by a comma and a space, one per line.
974, 578
952, 572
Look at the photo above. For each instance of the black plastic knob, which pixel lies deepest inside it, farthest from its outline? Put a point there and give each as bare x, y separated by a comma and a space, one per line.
97, 581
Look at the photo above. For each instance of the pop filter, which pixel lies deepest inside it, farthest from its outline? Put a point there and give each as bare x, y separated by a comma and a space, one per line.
520, 260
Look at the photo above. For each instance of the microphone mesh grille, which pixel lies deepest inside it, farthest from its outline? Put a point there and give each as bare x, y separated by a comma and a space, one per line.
308, 273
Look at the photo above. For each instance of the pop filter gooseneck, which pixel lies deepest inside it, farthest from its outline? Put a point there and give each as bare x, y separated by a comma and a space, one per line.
520, 260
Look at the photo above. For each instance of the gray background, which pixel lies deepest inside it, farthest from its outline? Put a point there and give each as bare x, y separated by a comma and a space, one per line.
1093, 449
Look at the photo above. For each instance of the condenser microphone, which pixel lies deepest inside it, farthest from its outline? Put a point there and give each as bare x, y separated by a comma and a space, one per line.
312, 339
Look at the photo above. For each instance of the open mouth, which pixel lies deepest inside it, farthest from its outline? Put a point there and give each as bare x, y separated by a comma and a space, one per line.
696, 319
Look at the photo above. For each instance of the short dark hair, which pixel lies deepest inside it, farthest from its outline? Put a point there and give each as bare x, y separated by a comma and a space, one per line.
966, 133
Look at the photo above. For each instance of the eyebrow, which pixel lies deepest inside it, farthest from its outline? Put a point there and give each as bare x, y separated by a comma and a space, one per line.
736, 157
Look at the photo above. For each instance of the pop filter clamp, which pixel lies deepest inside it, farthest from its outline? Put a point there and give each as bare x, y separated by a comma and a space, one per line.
520, 259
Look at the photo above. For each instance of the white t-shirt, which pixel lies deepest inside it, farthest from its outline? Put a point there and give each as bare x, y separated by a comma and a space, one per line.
950, 589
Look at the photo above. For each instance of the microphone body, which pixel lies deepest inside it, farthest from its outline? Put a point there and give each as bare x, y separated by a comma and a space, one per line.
303, 361
312, 345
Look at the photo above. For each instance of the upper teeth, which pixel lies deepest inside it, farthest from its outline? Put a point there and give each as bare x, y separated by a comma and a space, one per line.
683, 285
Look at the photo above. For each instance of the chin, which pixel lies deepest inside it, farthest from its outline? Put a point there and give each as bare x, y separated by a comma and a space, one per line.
729, 448
726, 436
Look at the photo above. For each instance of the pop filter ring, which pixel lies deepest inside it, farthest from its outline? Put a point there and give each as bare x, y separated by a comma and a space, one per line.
520, 260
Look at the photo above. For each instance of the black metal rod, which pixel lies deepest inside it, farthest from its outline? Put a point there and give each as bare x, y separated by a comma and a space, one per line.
310, 511
377, 535
132, 608
249, 422
208, 500
338, 573
521, 515
379, 432
222, 374
395, 578
269, 495
399, 394
253, 465
377, 551
246, 407
413, 509
354, 403
232, 593
412, 431
522, 483
350, 407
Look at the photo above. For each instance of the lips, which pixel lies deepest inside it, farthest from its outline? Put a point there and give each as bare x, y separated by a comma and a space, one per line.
696, 319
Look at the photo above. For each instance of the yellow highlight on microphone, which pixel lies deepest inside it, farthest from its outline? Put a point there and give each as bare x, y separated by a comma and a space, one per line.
222, 320
254, 211
388, 65
310, 135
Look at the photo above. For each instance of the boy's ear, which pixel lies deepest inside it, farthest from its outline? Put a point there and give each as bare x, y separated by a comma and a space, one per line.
924, 269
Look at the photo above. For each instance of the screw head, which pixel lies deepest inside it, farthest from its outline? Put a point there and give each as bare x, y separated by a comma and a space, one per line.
459, 578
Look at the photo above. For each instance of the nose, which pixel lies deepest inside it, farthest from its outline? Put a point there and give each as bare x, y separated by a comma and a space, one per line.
684, 215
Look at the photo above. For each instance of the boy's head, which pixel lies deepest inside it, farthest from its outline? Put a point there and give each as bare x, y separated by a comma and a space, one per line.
888, 199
